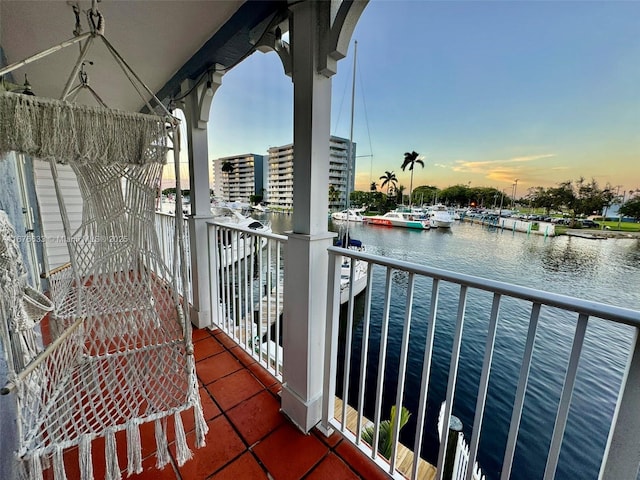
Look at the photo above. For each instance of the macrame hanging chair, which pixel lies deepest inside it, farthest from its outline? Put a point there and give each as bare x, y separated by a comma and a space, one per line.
119, 352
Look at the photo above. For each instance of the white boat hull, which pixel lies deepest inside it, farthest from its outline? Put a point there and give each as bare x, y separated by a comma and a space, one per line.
360, 280
440, 217
417, 224
441, 223
230, 254
343, 216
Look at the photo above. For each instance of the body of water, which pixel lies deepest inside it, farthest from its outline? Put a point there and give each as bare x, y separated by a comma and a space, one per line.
606, 271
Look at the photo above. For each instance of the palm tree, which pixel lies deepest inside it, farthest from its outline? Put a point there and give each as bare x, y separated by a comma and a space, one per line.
334, 194
410, 160
387, 428
400, 194
227, 167
389, 179
374, 186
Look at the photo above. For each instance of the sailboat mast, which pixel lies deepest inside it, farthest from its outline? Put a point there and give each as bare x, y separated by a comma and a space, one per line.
350, 147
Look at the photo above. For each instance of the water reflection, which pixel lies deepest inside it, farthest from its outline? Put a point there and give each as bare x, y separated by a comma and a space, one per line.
567, 257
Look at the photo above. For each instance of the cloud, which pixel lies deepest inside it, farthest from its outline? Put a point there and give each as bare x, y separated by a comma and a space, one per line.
440, 165
503, 170
480, 167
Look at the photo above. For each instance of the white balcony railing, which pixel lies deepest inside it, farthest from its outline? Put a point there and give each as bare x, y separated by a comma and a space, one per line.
246, 290
165, 229
247, 270
474, 295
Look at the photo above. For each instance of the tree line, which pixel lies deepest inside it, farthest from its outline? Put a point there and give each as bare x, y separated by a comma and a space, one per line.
571, 197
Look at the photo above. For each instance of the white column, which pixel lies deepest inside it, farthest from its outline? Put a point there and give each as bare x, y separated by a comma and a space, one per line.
307, 259
197, 129
622, 453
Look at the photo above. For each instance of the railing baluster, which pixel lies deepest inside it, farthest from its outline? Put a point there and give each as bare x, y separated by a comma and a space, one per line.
269, 303
348, 341
279, 285
331, 344
565, 398
241, 239
213, 273
261, 313
221, 275
255, 243
245, 284
237, 285
484, 385
520, 392
366, 321
227, 252
381, 364
426, 371
453, 373
404, 353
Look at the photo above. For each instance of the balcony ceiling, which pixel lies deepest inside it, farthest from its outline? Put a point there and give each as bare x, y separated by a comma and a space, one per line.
163, 41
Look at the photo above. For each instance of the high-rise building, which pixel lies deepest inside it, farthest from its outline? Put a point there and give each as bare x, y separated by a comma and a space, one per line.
280, 178
238, 177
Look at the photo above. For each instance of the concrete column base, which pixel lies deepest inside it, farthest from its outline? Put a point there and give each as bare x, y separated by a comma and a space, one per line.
304, 414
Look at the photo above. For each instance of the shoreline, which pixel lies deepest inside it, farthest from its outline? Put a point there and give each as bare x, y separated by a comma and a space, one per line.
579, 232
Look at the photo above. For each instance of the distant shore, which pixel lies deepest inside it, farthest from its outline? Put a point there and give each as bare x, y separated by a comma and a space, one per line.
602, 233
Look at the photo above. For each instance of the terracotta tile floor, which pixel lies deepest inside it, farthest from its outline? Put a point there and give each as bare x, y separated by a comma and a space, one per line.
248, 436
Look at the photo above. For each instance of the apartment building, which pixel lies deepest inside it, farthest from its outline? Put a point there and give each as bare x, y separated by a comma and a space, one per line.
237, 178
280, 177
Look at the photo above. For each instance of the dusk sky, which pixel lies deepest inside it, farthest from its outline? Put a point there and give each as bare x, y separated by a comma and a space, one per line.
488, 92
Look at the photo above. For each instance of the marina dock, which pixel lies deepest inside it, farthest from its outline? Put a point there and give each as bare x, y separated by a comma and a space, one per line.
426, 471
271, 305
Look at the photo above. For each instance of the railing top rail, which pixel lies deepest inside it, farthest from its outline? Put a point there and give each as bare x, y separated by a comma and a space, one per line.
595, 309
274, 236
166, 214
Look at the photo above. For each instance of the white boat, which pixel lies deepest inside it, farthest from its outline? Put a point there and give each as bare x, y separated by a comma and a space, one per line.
234, 246
236, 219
360, 282
260, 208
440, 216
398, 218
360, 272
350, 215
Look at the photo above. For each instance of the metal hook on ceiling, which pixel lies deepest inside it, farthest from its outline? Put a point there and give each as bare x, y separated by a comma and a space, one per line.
83, 75
96, 21
76, 10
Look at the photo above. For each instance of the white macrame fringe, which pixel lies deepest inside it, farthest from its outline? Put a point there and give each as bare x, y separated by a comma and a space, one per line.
162, 445
201, 425
86, 464
111, 457
23, 470
58, 464
134, 448
35, 468
63, 131
183, 453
